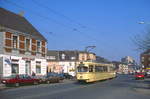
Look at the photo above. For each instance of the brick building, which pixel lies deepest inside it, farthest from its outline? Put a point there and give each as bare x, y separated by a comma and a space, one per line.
145, 59
23, 48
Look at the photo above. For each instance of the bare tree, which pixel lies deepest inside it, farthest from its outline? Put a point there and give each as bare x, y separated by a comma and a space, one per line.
142, 41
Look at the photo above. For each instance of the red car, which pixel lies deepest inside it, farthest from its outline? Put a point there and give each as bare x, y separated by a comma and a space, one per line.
139, 76
17, 80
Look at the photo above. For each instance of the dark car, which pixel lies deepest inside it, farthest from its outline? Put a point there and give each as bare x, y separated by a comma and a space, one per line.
68, 76
139, 75
49, 79
17, 80
147, 74
60, 76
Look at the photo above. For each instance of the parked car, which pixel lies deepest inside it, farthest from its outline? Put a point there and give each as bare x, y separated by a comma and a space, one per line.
17, 80
139, 75
51, 77
68, 76
147, 74
60, 76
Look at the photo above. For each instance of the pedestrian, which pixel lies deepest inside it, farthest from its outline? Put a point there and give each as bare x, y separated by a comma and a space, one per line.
33, 73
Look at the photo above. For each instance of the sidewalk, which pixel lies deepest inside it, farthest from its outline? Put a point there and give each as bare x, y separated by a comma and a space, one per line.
2, 86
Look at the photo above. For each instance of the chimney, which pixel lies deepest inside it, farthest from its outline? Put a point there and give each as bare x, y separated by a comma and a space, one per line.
21, 13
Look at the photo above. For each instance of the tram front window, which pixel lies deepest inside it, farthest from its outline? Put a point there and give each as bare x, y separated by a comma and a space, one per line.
82, 69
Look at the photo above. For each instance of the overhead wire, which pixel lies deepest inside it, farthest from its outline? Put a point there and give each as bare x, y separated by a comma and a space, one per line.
67, 18
48, 18
59, 23
37, 14
58, 13
64, 16
72, 21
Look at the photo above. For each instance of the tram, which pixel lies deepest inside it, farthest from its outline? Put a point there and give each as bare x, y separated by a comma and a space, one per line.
92, 71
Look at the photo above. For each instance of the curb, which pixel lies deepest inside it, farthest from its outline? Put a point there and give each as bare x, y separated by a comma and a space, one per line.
2, 86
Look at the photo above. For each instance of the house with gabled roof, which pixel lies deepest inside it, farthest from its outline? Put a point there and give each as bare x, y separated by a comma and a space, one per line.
22, 47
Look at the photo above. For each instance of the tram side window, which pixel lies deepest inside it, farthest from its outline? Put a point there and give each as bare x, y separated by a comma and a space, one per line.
105, 69
99, 69
111, 69
82, 69
90, 68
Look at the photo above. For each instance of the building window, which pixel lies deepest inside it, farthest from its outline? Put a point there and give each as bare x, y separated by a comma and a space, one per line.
142, 59
38, 67
8, 50
63, 56
83, 58
15, 68
148, 58
38, 46
27, 44
28, 67
52, 57
15, 41
73, 58
21, 51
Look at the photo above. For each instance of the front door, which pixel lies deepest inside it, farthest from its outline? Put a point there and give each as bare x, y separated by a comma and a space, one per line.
28, 67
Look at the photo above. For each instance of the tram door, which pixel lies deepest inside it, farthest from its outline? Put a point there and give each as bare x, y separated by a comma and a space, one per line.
28, 67
91, 71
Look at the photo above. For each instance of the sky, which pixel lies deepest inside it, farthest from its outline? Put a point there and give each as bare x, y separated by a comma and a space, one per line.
110, 25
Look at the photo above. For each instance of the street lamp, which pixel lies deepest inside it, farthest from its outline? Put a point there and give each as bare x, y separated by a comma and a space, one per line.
142, 22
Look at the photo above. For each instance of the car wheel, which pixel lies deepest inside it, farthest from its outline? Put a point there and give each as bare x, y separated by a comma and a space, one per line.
7, 85
16, 84
35, 82
40, 81
58, 80
48, 82
61, 81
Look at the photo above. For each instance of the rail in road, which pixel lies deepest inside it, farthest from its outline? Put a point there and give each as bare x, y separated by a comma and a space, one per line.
122, 87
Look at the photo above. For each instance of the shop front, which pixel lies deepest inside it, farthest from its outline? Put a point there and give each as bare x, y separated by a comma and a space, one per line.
22, 65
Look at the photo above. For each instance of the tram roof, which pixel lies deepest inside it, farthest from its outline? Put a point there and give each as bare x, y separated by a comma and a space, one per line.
95, 63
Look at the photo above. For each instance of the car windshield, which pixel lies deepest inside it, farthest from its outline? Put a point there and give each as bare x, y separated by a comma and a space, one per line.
82, 69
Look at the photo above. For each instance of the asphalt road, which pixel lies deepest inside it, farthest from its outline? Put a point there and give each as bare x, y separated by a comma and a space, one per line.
122, 87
